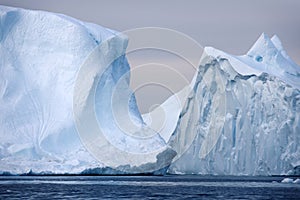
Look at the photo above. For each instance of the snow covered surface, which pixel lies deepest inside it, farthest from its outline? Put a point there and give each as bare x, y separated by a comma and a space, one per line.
266, 56
239, 116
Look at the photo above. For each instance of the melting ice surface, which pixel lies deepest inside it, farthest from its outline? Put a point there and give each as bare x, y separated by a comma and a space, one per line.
239, 116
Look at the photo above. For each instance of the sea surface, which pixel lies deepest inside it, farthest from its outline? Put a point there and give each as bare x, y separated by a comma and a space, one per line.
146, 187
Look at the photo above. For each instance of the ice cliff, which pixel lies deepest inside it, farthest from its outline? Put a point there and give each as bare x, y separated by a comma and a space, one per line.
239, 116
245, 111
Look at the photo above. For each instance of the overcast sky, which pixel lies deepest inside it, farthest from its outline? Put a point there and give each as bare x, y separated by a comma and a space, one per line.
229, 25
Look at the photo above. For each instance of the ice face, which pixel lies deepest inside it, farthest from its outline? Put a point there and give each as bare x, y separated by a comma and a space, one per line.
248, 121
40, 57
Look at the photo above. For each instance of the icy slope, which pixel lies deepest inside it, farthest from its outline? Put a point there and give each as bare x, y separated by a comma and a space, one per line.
245, 111
41, 56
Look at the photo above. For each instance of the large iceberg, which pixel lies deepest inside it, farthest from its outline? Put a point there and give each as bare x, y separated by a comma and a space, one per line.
247, 118
66, 106
41, 54
52, 64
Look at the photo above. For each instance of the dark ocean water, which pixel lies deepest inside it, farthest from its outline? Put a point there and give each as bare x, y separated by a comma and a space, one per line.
146, 187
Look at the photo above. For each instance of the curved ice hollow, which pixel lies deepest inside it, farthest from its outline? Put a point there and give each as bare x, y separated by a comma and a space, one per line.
102, 92
114, 124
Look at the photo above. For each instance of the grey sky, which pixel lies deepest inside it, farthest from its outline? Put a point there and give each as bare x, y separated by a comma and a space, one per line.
229, 25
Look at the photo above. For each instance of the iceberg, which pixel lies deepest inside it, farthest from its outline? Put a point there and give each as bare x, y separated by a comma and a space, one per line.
248, 119
41, 53
66, 106
52, 64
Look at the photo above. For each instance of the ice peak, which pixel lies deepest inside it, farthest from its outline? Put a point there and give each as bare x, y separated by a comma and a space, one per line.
266, 55
277, 42
262, 47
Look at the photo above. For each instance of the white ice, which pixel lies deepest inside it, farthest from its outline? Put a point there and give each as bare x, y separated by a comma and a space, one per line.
239, 116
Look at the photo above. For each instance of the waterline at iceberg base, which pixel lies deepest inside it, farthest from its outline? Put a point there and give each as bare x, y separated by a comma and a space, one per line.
240, 114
